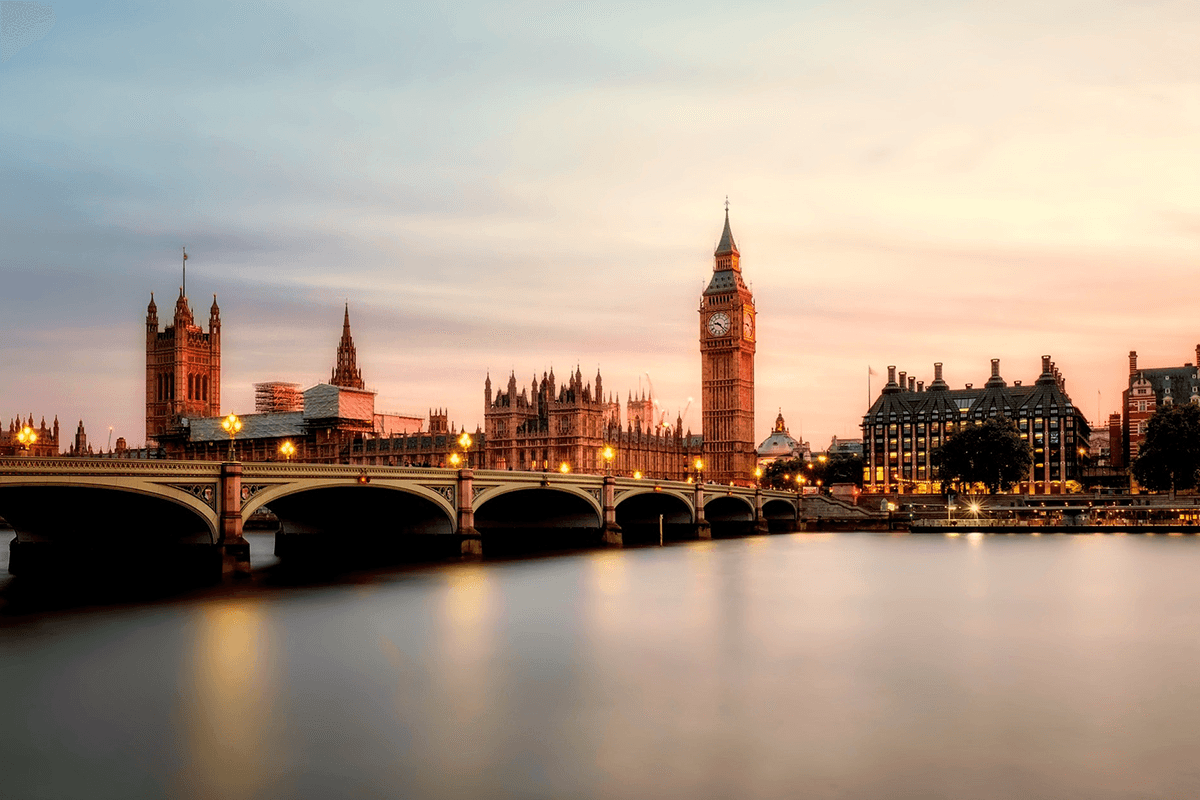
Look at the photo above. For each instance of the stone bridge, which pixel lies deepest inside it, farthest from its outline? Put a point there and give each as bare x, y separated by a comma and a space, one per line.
132, 507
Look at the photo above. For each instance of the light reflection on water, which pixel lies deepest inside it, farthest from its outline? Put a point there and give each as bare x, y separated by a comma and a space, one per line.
814, 665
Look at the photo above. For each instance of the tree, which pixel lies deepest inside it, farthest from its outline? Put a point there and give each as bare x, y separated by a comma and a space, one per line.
1170, 453
836, 468
993, 454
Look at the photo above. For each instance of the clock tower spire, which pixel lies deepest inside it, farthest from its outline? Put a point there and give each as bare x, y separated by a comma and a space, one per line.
727, 343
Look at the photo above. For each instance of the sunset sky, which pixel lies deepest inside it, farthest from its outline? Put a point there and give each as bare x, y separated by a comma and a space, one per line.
542, 184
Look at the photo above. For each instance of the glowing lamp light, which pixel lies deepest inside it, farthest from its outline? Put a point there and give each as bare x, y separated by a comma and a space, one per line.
287, 450
464, 441
637, 475
232, 425
455, 460
564, 468
27, 436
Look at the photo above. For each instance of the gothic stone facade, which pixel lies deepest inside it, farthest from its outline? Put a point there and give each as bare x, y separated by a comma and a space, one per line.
547, 426
183, 368
727, 343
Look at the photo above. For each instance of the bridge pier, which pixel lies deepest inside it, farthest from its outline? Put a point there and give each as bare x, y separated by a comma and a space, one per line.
610, 534
703, 529
233, 547
760, 522
471, 544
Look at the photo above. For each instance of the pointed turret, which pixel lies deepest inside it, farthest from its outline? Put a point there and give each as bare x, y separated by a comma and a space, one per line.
726, 246
345, 371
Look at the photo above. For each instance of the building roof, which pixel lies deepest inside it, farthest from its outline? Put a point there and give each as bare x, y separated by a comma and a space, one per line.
1047, 396
726, 245
254, 426
780, 443
1181, 384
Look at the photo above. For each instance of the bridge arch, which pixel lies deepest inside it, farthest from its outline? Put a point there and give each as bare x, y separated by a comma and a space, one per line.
638, 512
271, 494
526, 518
81, 510
780, 514
729, 514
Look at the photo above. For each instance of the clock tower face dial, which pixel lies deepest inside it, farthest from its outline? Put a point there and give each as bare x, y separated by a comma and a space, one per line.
718, 324
748, 324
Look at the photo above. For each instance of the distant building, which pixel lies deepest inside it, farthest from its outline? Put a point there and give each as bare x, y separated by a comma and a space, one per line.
780, 446
183, 368
839, 446
1148, 390
544, 426
46, 444
322, 426
908, 422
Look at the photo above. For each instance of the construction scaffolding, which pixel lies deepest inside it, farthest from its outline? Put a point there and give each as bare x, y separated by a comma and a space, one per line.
275, 397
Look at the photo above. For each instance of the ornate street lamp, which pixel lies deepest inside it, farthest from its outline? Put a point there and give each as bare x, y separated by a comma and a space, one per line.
287, 450
232, 425
465, 443
455, 460
699, 465
608, 454
637, 474
27, 436
758, 476
564, 468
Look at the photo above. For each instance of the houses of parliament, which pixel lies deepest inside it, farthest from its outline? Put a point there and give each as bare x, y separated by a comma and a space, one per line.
544, 425
550, 425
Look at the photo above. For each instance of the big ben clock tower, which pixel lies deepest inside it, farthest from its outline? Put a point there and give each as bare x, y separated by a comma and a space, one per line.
727, 336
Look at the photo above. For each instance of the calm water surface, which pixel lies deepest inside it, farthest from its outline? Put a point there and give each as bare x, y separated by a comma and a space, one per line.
806, 665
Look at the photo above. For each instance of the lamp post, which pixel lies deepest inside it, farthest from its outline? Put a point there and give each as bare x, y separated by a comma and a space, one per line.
608, 454
287, 450
455, 460
758, 477
564, 468
232, 425
27, 436
699, 465
464, 442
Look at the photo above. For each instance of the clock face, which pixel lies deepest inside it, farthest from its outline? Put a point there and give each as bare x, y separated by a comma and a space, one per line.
748, 324
718, 324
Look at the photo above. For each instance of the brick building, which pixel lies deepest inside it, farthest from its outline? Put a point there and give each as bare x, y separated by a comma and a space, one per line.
1148, 390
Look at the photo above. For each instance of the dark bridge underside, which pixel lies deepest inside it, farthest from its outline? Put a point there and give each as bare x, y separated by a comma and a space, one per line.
638, 517
729, 516
72, 529
528, 520
361, 523
81, 514
780, 516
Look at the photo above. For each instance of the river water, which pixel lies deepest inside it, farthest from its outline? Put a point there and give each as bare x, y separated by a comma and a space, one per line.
802, 665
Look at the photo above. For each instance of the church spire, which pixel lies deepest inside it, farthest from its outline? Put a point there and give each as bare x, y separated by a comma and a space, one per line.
726, 255
345, 371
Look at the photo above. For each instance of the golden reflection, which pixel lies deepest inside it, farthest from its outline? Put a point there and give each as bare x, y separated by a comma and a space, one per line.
227, 693
975, 538
608, 572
